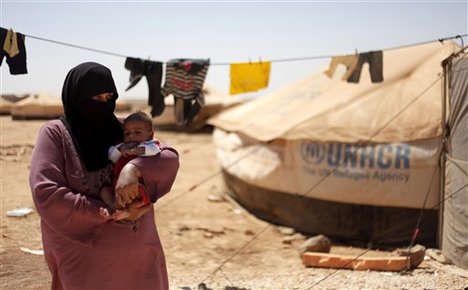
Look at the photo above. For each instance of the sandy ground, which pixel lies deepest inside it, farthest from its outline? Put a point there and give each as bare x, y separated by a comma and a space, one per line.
206, 240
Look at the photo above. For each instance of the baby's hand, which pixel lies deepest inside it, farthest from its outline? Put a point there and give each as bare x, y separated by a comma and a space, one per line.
123, 213
128, 145
133, 151
120, 214
132, 212
115, 215
125, 152
105, 213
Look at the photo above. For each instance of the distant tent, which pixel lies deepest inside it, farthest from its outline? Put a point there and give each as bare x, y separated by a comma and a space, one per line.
5, 106
45, 106
8, 101
351, 161
215, 102
37, 106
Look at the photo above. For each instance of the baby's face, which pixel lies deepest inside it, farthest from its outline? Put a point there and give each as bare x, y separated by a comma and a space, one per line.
137, 132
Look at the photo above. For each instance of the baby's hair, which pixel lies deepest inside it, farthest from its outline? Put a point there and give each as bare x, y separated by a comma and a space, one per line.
140, 117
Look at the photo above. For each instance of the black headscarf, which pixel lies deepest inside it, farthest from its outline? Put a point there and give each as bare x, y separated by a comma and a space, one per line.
92, 124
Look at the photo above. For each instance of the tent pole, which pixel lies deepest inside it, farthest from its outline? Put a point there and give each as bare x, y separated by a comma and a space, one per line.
447, 68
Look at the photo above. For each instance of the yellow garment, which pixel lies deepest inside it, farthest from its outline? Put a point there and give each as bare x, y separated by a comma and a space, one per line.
249, 77
11, 43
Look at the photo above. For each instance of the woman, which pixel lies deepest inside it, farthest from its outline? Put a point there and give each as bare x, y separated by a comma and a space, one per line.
69, 166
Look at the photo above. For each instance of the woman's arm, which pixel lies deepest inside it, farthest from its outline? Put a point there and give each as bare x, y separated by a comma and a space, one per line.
70, 214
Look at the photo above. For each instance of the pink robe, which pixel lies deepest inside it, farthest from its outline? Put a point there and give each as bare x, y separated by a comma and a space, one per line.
81, 248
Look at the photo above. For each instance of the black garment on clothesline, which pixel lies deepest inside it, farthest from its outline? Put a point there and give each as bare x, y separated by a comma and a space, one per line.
16, 63
375, 60
153, 72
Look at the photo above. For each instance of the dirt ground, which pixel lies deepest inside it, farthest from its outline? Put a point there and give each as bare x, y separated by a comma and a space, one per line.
207, 238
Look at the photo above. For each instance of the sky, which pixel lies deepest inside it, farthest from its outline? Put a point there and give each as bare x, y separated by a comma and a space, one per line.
223, 31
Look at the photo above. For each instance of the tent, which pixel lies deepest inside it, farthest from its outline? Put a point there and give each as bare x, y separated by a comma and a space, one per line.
455, 198
45, 106
37, 106
215, 102
8, 101
353, 161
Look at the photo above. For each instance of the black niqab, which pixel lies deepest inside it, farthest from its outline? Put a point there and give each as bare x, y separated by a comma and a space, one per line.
92, 124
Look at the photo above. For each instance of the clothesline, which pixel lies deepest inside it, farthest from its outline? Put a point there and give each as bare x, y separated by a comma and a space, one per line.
271, 61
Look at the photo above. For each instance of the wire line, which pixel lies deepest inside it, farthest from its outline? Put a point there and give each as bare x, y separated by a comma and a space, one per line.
305, 58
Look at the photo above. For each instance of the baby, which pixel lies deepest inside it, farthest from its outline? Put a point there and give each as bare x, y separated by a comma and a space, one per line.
137, 141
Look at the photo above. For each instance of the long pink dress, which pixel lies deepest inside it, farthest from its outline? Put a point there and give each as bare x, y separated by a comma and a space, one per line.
82, 249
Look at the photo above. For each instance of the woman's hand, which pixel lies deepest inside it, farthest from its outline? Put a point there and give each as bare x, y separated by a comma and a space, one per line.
126, 188
132, 212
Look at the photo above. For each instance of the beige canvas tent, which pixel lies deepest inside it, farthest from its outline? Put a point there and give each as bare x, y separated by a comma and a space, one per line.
46, 106
37, 106
352, 161
5, 106
455, 198
8, 101
215, 102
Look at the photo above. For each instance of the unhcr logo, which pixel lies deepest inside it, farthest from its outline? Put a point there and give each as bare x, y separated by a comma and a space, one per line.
313, 152
378, 156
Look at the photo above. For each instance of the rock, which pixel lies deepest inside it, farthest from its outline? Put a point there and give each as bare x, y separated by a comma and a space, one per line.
249, 233
208, 235
416, 254
286, 231
288, 240
215, 198
437, 255
202, 286
318, 243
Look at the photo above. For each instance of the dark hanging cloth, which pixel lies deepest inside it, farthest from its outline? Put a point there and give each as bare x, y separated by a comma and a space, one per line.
184, 80
14, 50
92, 124
153, 72
375, 60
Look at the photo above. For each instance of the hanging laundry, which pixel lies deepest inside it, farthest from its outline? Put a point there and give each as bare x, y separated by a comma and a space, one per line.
153, 72
10, 46
349, 61
249, 77
184, 80
375, 60
14, 50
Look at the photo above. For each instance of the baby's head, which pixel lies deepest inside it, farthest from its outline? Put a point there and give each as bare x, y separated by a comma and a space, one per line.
137, 127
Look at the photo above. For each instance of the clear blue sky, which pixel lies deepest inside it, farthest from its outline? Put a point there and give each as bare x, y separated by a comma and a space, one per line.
225, 32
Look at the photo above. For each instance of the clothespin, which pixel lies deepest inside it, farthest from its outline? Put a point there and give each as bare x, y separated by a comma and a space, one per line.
461, 40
